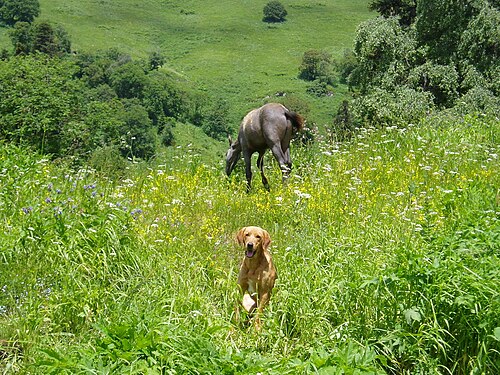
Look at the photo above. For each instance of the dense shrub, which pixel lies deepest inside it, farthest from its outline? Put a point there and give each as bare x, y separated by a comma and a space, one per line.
441, 81
316, 65
385, 53
42, 105
401, 106
128, 80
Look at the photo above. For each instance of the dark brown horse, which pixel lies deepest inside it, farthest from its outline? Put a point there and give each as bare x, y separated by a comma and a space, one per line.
268, 127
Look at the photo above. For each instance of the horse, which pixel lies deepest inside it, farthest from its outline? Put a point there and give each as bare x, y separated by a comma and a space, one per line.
268, 127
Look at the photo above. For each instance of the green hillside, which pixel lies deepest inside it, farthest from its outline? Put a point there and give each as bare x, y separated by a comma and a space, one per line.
387, 251
223, 47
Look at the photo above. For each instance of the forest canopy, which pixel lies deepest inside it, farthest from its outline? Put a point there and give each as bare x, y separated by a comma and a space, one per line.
427, 55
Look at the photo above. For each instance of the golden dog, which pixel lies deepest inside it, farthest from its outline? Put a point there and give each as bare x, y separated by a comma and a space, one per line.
257, 273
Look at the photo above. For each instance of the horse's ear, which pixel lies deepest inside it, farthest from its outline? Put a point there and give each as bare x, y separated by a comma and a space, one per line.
230, 139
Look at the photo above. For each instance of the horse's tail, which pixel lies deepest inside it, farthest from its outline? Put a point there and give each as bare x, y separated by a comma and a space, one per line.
296, 119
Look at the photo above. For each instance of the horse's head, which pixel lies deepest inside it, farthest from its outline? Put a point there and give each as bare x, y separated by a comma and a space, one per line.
233, 155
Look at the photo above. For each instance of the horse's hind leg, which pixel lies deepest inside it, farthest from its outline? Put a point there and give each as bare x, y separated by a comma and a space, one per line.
283, 159
260, 165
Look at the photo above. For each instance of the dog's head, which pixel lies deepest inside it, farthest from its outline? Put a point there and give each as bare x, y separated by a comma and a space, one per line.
254, 240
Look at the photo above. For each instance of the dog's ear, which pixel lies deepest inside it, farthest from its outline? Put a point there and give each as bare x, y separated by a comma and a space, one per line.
266, 240
240, 236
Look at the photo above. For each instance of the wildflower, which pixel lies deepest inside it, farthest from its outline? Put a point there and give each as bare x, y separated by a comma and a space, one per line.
48, 200
136, 212
27, 210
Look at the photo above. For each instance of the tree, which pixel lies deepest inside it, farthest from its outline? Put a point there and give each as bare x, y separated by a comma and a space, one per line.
137, 133
406, 10
385, 53
156, 60
274, 11
128, 80
12, 11
440, 24
216, 121
39, 37
21, 37
316, 65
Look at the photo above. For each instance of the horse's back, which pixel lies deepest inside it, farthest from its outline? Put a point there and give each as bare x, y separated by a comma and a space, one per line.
265, 126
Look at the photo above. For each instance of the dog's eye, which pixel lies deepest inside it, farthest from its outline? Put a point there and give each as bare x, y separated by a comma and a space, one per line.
258, 236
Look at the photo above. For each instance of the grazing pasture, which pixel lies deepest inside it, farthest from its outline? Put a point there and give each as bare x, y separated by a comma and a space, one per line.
387, 250
223, 47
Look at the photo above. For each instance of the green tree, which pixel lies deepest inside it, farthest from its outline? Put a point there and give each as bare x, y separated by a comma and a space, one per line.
274, 11
406, 10
442, 81
12, 11
38, 101
128, 80
163, 98
156, 60
21, 36
39, 37
385, 53
440, 24
44, 39
479, 42
316, 65
137, 135
216, 120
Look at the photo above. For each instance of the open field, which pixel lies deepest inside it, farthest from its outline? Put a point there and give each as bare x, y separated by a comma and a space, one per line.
387, 250
223, 47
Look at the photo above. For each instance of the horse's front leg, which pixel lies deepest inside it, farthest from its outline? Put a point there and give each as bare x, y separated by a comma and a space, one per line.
260, 165
248, 169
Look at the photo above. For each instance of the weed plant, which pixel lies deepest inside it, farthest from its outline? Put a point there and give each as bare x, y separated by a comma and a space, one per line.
387, 251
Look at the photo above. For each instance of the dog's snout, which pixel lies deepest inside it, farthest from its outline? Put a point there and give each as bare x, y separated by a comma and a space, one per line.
250, 245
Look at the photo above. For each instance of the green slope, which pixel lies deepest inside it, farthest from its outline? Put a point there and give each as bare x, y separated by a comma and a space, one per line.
224, 47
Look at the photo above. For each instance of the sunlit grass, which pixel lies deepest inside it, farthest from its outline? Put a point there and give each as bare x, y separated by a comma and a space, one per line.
386, 249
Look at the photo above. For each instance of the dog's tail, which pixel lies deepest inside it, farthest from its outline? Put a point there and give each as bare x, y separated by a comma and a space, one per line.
296, 119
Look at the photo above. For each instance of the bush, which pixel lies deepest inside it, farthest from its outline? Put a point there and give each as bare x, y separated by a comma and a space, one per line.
12, 11
316, 65
137, 136
128, 80
274, 11
399, 107
440, 80
319, 88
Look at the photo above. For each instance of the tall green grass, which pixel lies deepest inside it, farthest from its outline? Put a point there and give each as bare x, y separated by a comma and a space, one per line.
387, 250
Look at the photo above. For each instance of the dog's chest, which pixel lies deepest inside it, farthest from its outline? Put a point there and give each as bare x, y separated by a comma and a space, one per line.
252, 286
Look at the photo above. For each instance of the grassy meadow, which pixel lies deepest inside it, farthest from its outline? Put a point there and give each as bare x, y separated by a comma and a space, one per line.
387, 251
223, 48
